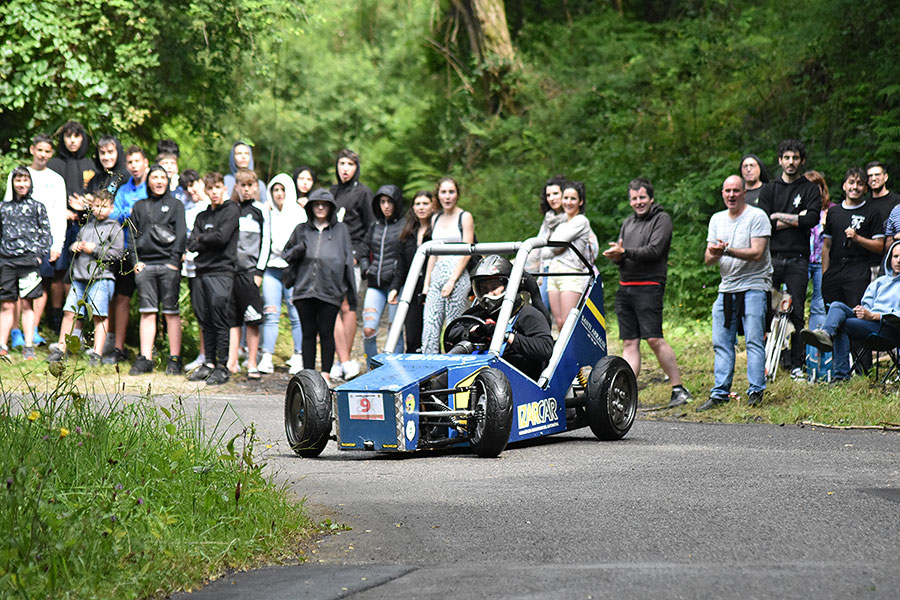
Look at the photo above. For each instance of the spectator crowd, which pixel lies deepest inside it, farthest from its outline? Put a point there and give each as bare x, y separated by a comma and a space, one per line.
84, 238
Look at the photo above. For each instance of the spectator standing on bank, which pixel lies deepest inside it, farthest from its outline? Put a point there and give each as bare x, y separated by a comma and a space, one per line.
883, 199
738, 239
793, 203
551, 208
214, 241
384, 249
755, 175
285, 213
100, 245
320, 271
446, 282
24, 240
416, 232
160, 239
642, 253
816, 242
354, 209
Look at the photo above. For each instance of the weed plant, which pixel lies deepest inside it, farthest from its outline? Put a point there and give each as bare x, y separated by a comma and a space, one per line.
108, 498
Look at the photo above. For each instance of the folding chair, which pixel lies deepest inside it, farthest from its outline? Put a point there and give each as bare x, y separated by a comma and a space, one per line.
879, 344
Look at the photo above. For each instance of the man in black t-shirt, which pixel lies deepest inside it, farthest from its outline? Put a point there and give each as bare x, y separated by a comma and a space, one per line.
854, 241
882, 198
793, 204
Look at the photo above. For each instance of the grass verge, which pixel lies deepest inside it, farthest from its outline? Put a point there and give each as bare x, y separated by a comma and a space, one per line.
861, 401
113, 499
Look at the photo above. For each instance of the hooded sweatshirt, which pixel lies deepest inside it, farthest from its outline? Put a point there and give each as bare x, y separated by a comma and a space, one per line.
320, 261
160, 233
229, 179
383, 240
283, 221
109, 248
646, 240
75, 167
354, 204
49, 189
24, 231
102, 178
254, 238
883, 294
800, 197
214, 239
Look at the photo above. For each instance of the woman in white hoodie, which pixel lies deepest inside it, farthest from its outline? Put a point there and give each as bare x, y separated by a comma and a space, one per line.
286, 214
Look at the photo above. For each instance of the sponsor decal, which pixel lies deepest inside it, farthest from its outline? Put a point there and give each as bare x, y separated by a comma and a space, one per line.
390, 446
538, 415
410, 403
366, 406
410, 431
592, 334
348, 445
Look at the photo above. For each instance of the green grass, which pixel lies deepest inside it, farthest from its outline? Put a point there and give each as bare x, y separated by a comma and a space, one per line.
114, 499
860, 401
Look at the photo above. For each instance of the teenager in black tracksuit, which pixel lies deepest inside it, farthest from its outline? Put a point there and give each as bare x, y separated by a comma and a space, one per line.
160, 238
320, 270
384, 250
354, 209
214, 239
416, 232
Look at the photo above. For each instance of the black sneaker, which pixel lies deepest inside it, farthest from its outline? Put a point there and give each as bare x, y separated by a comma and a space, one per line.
174, 367
712, 402
115, 357
680, 396
756, 398
218, 376
141, 365
201, 373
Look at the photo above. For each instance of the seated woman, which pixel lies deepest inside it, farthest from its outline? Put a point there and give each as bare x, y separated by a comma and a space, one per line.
882, 297
529, 344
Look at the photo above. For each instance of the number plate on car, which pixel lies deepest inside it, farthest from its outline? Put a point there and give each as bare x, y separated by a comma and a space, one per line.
366, 406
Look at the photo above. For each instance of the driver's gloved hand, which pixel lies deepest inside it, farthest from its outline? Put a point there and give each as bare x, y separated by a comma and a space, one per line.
484, 331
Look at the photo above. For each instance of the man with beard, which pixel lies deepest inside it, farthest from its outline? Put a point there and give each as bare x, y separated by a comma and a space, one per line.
792, 203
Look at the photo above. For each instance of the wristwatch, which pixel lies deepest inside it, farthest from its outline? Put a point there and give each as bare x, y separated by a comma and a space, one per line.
725, 251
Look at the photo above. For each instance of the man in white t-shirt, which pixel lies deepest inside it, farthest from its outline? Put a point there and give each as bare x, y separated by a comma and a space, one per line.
49, 190
738, 240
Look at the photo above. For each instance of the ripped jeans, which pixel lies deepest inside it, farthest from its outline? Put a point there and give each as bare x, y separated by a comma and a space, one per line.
274, 294
373, 308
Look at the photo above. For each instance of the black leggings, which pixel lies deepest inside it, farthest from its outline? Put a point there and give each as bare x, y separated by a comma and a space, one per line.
317, 317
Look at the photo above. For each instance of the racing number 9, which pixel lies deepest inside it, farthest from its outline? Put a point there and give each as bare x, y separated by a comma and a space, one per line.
365, 405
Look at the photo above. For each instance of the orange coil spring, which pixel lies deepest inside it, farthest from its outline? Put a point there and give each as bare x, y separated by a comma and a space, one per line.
582, 378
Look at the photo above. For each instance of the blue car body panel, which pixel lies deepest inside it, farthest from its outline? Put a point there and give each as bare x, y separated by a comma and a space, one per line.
380, 409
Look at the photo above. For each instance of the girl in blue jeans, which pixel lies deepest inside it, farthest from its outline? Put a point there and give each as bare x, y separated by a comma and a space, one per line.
384, 255
287, 213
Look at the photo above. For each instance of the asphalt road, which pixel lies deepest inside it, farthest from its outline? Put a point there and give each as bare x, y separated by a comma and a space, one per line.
676, 510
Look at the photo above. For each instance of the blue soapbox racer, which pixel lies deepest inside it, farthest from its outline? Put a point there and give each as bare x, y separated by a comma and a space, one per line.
409, 402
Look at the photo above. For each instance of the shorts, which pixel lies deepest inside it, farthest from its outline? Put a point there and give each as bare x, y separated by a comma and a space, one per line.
566, 283
20, 282
46, 269
248, 302
158, 284
124, 272
639, 309
99, 295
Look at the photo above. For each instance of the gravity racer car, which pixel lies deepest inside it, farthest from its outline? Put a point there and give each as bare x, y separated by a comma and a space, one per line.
410, 402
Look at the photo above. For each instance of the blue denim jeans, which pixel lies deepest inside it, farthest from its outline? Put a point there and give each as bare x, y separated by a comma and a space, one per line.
373, 308
274, 294
842, 325
724, 338
816, 302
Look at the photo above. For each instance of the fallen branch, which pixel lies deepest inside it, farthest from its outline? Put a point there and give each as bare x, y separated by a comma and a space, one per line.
880, 427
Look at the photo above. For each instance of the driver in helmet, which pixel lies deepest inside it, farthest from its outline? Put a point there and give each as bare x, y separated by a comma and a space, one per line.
529, 344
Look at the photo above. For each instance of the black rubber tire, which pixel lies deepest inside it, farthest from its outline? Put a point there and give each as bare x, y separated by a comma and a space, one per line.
611, 398
491, 398
307, 413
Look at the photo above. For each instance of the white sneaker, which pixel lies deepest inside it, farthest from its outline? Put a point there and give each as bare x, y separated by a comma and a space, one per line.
296, 359
194, 364
295, 366
265, 364
336, 371
350, 369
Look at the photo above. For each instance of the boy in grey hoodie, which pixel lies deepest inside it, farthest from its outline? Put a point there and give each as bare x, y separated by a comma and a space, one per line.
100, 245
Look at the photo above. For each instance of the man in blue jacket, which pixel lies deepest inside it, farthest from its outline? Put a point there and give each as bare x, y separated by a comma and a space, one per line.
882, 297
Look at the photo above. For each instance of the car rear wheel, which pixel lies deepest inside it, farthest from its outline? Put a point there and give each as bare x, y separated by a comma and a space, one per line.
307, 413
611, 398
491, 400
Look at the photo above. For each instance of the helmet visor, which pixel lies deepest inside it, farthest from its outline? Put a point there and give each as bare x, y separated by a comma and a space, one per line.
491, 288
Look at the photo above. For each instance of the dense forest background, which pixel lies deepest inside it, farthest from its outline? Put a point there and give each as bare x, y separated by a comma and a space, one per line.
499, 95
